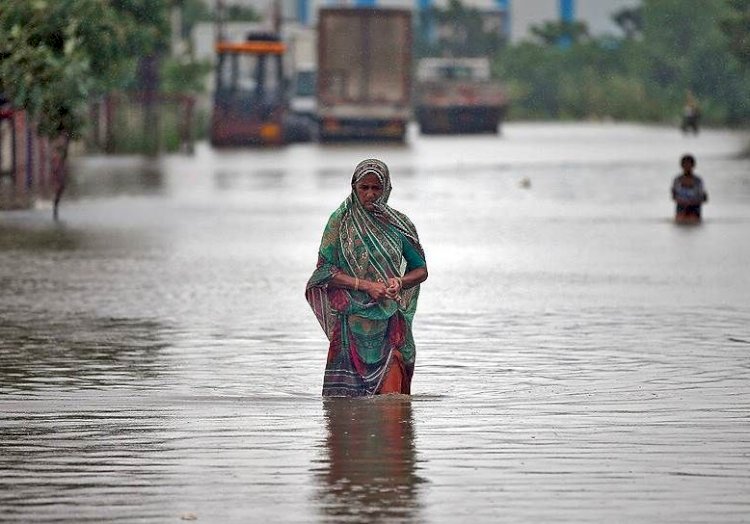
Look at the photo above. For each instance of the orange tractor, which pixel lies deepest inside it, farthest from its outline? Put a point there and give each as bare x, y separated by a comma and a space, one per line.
250, 101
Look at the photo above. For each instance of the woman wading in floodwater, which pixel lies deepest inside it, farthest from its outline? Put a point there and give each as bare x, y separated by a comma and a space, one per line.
364, 290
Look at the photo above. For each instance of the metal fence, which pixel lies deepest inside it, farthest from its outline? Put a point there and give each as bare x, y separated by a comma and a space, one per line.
141, 123
25, 161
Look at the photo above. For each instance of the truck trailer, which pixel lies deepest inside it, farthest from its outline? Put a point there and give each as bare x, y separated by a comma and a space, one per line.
364, 73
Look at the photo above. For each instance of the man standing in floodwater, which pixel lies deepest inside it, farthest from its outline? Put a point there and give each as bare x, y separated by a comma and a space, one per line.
688, 193
691, 114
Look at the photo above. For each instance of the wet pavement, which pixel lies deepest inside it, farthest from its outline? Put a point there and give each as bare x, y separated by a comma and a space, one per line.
580, 357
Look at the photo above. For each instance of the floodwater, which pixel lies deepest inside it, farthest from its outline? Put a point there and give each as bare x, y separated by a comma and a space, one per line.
580, 357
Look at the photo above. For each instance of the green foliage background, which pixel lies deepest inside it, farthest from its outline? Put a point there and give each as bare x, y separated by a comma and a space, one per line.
701, 46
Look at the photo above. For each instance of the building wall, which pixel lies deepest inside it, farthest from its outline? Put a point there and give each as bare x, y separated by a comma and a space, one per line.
289, 7
25, 169
597, 14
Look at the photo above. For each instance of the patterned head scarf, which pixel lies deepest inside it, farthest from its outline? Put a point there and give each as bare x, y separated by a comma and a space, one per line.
375, 167
371, 225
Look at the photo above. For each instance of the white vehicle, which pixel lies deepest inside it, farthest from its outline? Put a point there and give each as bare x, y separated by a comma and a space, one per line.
302, 98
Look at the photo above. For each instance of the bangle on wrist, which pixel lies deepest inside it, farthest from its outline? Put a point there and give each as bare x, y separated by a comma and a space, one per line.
356, 283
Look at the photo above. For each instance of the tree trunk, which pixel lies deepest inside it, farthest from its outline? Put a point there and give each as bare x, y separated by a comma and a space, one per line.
148, 86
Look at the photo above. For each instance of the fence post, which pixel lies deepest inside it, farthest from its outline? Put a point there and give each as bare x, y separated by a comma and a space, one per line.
188, 103
21, 164
109, 123
41, 182
94, 116
30, 164
7, 123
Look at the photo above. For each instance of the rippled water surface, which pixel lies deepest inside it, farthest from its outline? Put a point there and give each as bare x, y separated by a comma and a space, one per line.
580, 357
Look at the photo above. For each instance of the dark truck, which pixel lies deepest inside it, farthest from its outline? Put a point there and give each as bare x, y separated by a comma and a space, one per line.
457, 95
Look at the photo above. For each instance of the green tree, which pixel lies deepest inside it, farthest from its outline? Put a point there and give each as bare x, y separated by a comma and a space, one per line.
630, 21
238, 13
55, 54
683, 52
193, 12
555, 33
644, 78
461, 31
736, 25
196, 11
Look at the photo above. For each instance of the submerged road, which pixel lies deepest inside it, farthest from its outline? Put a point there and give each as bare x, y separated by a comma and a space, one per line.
580, 357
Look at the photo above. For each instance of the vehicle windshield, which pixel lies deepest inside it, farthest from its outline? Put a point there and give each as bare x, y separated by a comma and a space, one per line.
456, 72
305, 84
258, 75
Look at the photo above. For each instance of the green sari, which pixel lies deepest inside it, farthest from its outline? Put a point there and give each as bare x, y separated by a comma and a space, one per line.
365, 336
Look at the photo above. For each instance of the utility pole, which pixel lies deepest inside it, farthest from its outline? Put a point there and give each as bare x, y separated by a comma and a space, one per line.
567, 11
504, 7
219, 22
276, 17
424, 13
303, 12
567, 18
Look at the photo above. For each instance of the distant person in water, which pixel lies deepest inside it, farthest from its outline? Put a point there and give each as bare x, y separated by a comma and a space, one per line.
365, 288
688, 193
691, 115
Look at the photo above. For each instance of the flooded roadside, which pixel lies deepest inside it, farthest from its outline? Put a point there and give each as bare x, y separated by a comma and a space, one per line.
580, 358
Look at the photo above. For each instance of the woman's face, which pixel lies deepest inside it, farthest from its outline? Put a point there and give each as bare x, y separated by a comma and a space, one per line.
369, 189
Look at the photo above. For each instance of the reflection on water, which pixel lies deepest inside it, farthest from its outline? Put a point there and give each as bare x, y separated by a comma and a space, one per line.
588, 359
368, 472
77, 352
47, 237
108, 176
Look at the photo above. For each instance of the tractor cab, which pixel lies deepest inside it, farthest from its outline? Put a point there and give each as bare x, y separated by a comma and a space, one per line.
250, 104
